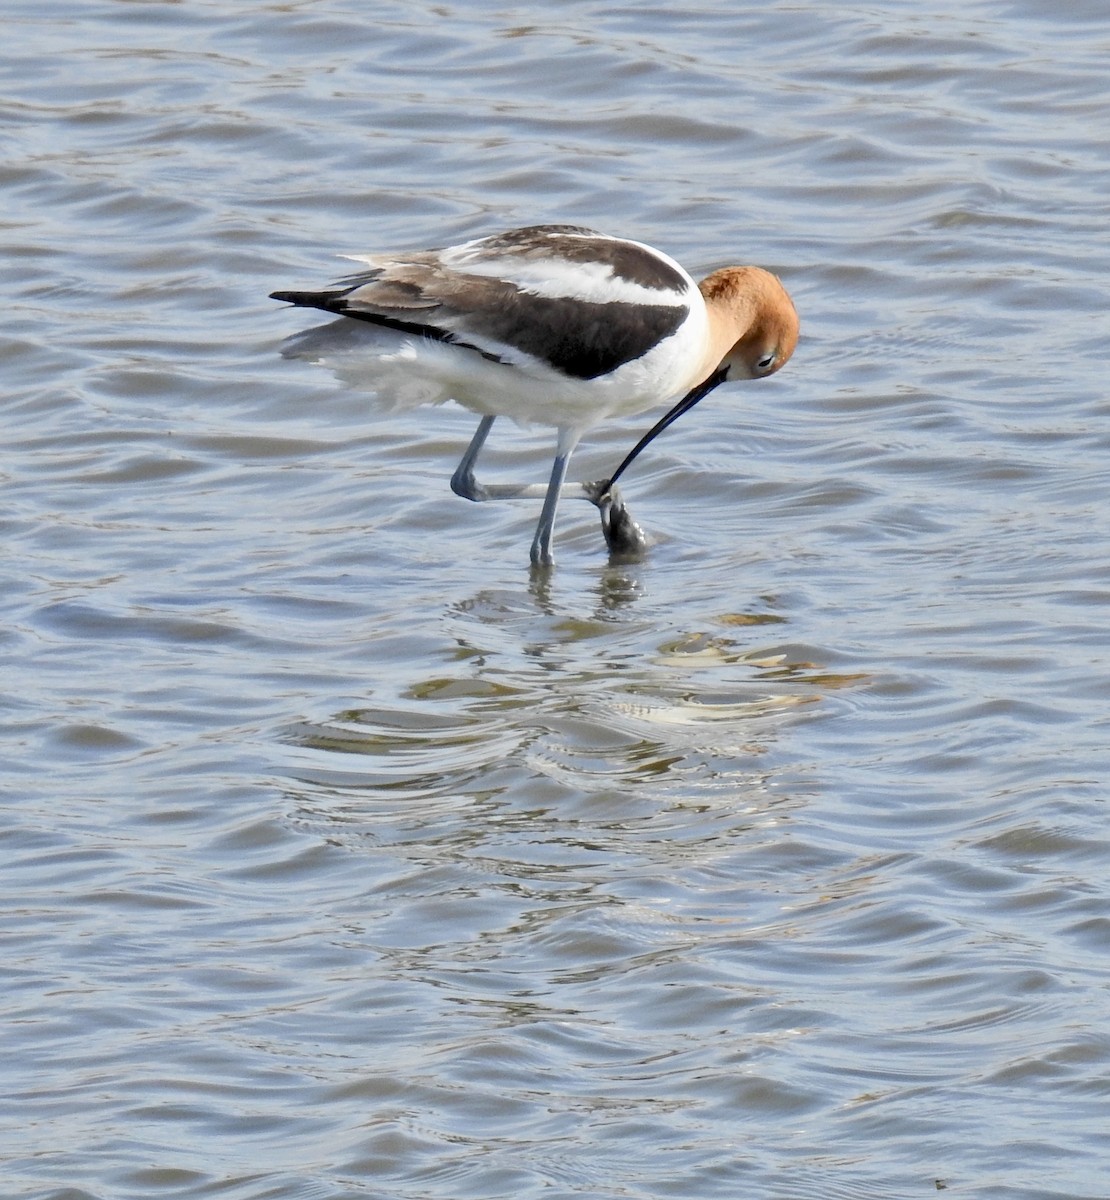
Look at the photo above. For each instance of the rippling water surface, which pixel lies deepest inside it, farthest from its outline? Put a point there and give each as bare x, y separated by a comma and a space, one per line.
343, 858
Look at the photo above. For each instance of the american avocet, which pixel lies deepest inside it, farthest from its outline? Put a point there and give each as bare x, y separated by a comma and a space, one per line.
552, 324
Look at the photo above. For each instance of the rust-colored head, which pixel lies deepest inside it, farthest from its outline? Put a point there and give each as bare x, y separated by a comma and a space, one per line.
753, 321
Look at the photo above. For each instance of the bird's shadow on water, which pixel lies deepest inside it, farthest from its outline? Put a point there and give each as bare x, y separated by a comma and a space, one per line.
617, 589
555, 694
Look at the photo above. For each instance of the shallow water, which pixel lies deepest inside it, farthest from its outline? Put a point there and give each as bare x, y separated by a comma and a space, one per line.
344, 858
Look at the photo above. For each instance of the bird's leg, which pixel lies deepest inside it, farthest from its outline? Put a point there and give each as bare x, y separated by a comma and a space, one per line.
463, 482
622, 534
541, 544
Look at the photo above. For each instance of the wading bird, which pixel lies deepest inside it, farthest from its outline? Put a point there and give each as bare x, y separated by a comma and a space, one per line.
549, 324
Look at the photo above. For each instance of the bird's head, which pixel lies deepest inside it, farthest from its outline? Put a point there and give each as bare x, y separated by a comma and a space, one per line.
757, 317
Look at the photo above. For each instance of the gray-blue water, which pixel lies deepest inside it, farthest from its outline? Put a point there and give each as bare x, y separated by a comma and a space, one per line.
342, 858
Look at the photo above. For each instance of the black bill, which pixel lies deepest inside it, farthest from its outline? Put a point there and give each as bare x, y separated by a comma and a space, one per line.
684, 405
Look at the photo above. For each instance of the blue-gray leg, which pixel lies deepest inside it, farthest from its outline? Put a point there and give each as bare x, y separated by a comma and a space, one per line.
618, 533
463, 482
541, 543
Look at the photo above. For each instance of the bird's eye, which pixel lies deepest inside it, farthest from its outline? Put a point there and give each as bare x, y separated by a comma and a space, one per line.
765, 363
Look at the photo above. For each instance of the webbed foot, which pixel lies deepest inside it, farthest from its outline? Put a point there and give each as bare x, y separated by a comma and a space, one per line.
622, 535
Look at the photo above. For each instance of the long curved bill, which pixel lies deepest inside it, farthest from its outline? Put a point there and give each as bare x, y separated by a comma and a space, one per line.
684, 405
